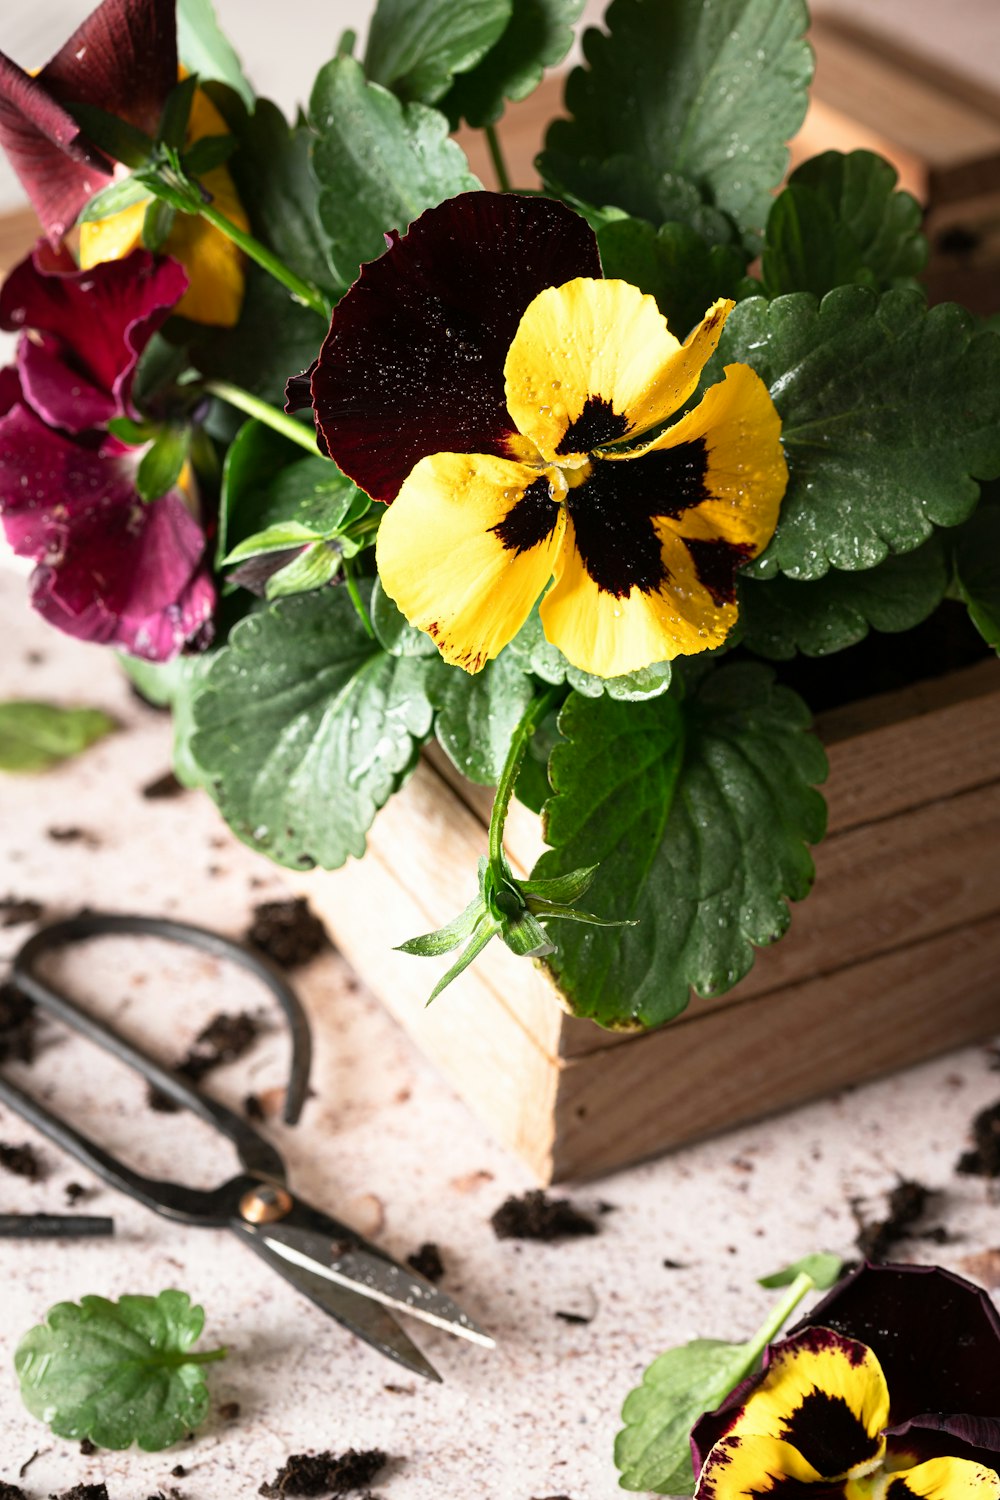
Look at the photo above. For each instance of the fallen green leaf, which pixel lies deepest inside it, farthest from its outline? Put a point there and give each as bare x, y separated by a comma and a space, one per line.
35, 736
823, 1267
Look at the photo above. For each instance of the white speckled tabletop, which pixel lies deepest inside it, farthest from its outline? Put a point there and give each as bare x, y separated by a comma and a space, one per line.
387, 1145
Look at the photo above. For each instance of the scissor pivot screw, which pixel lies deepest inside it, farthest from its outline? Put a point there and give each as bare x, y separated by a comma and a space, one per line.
265, 1204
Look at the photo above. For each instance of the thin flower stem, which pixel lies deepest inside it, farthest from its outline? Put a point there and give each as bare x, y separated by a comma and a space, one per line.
302, 291
776, 1318
496, 156
355, 596
532, 717
264, 412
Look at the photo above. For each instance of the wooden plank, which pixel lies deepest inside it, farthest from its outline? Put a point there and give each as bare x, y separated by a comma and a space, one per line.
704, 1074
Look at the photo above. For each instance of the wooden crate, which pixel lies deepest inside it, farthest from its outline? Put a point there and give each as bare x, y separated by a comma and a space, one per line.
894, 957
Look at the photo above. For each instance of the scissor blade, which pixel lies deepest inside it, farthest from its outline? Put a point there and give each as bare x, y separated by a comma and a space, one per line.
365, 1318
375, 1277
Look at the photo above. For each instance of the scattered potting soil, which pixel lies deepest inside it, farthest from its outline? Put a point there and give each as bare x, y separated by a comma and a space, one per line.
11, 1491
84, 1492
427, 1261
16, 910
87, 1448
178, 1472
164, 786
73, 835
573, 1317
22, 1161
223, 1040
674, 1265
325, 1473
74, 1192
534, 1216
18, 1022
984, 1159
907, 1204
253, 1109
287, 931
229, 1411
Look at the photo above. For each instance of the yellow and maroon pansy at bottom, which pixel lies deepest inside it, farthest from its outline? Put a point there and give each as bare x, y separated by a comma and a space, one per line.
814, 1428
640, 527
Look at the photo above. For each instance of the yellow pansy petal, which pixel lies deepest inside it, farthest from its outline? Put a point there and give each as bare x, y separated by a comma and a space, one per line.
609, 634
466, 548
826, 1395
754, 1467
944, 1479
737, 433
593, 362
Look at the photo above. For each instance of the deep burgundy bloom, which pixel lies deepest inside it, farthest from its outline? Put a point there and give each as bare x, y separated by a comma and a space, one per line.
87, 330
110, 567
937, 1338
121, 59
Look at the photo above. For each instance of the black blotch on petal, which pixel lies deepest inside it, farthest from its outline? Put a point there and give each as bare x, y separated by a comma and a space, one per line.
598, 423
530, 519
716, 563
828, 1434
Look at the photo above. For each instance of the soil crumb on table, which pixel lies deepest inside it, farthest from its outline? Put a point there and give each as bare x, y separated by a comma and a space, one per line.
225, 1039
22, 1161
18, 1023
535, 1216
16, 910
166, 785
287, 931
325, 1473
84, 1492
907, 1204
11, 1491
427, 1261
984, 1159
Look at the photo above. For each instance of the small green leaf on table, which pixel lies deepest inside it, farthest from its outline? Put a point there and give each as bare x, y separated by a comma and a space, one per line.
415, 47
709, 91
840, 219
118, 1373
698, 813
823, 1268
35, 736
869, 477
389, 161
305, 727
538, 36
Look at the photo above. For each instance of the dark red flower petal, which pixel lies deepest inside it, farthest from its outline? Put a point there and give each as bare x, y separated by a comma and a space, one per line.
123, 59
937, 1435
110, 568
98, 323
413, 362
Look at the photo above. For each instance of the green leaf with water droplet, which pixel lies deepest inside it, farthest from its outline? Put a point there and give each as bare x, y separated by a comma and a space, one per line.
708, 92
477, 715
697, 812
305, 726
415, 47
118, 1373
822, 1267
533, 653
537, 36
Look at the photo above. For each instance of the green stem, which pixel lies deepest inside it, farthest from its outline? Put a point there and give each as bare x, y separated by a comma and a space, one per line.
351, 585
776, 1318
302, 291
496, 156
278, 421
530, 720
174, 1358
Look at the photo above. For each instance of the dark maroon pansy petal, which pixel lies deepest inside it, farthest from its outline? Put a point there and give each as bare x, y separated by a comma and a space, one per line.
413, 362
98, 321
111, 569
58, 168
121, 58
940, 1436
10, 389
937, 1337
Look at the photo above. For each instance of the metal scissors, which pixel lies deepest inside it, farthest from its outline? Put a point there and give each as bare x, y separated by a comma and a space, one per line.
346, 1275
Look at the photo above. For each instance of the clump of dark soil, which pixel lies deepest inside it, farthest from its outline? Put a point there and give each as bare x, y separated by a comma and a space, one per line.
325, 1473
984, 1159
84, 1492
287, 931
223, 1040
164, 786
22, 1161
11, 1491
87, 1448
907, 1205
18, 1023
229, 1411
427, 1261
15, 910
534, 1216
73, 835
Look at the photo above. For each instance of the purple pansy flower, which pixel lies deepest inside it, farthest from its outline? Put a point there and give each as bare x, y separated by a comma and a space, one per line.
110, 567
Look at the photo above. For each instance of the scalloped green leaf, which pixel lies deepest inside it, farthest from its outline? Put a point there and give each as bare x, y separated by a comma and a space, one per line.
117, 1373
205, 49
976, 552
711, 92
538, 36
697, 814
782, 616
274, 338
387, 160
890, 413
415, 47
477, 715
304, 727
533, 653
841, 220
673, 264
